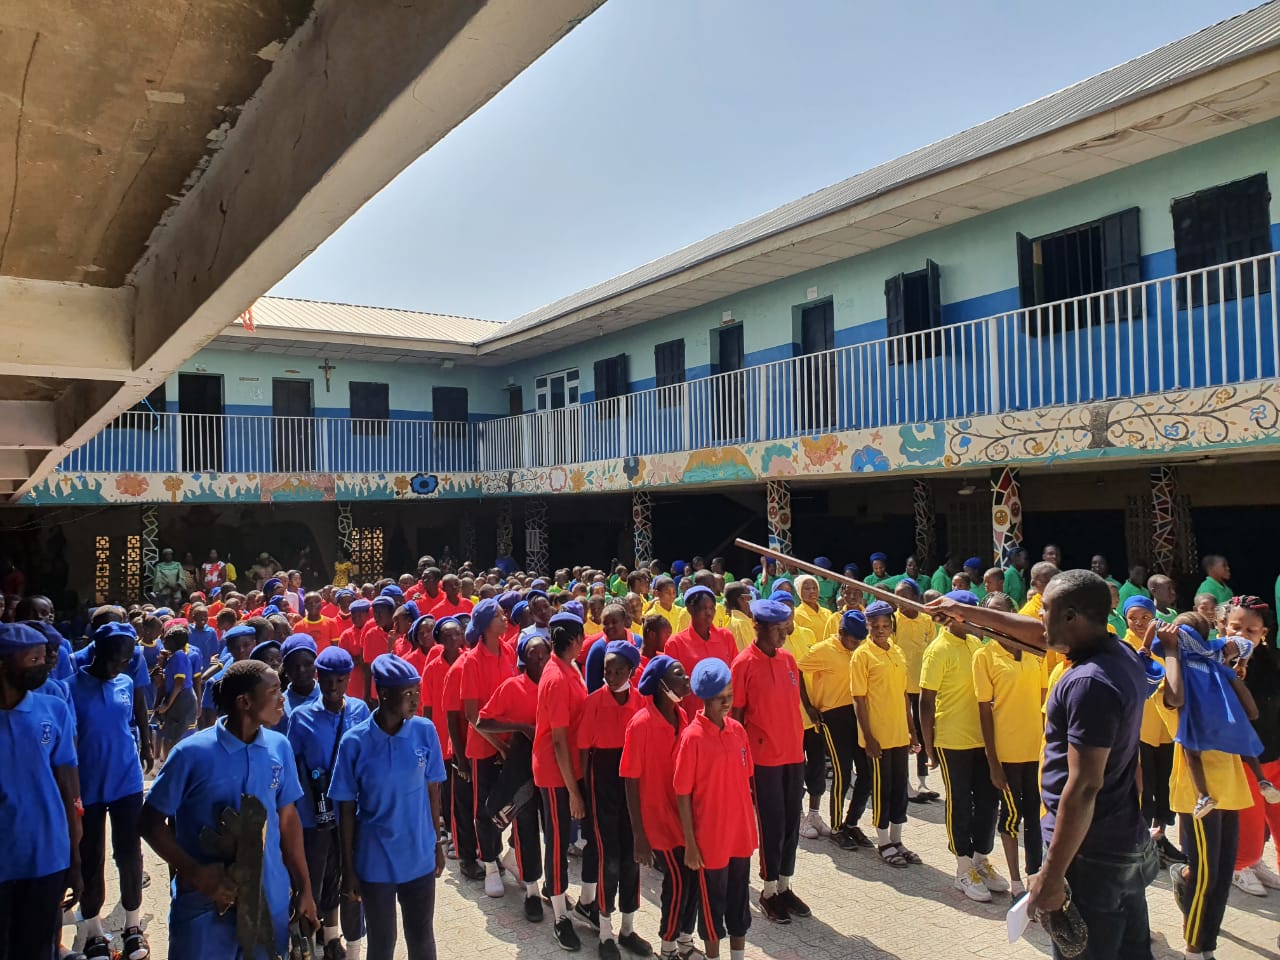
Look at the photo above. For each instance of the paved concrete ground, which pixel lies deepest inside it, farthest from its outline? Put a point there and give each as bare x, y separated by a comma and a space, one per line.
862, 909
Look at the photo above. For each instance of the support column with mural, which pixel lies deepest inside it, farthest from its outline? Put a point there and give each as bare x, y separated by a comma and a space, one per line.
536, 552
1169, 517
926, 522
642, 526
1006, 514
150, 544
778, 512
344, 528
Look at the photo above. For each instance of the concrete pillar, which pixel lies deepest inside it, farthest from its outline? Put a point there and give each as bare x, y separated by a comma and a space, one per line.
1164, 528
778, 512
344, 526
536, 548
642, 526
1006, 513
150, 544
505, 531
926, 522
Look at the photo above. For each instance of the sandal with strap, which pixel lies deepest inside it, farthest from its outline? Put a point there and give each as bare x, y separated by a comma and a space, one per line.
891, 855
912, 858
135, 945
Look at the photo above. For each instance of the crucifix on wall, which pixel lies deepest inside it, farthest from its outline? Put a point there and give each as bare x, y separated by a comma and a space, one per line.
328, 369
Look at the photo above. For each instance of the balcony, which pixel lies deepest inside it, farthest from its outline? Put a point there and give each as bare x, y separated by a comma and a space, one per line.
1203, 329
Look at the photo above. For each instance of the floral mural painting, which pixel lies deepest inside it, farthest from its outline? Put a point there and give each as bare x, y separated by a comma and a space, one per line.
716, 466
922, 443
132, 484
424, 484
869, 460
823, 451
776, 461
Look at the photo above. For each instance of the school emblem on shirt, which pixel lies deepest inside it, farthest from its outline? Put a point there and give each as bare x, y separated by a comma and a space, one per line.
276, 770
46, 732
744, 757
792, 674
123, 696
421, 754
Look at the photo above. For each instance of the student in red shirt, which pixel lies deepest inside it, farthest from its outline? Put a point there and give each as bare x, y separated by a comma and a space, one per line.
701, 639
461, 790
427, 589
449, 642
419, 642
402, 622
349, 640
767, 698
343, 598
328, 608
601, 734
487, 665
317, 626
513, 711
507, 602
648, 767
453, 602
375, 640
557, 764
712, 781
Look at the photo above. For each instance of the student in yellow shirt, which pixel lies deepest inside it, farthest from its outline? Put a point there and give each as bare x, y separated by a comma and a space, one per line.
878, 681
953, 738
800, 640
809, 614
1041, 574
913, 632
664, 603
737, 600
635, 607
1009, 685
826, 673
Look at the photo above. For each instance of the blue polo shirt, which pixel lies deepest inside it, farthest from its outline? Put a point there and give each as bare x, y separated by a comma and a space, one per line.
178, 671
206, 697
65, 667
595, 661
204, 639
387, 778
313, 733
35, 737
138, 671
210, 771
109, 768
54, 688
293, 700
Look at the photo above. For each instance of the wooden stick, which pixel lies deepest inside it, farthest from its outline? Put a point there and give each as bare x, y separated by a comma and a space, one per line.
886, 595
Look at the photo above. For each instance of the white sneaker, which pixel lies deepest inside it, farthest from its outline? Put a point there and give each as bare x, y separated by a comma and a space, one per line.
493, 884
970, 882
508, 862
1246, 881
815, 818
990, 878
1266, 876
808, 829
1017, 888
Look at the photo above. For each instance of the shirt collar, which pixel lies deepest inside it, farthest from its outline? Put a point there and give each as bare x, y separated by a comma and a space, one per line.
230, 742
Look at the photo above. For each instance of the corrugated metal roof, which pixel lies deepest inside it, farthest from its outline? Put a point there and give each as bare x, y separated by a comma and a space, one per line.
1247, 33
283, 313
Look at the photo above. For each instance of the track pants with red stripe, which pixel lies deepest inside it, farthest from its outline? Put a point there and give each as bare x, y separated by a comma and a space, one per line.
555, 831
611, 830
680, 894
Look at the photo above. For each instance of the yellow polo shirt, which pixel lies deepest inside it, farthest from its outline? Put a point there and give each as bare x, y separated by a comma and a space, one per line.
678, 617
742, 628
1153, 731
798, 645
880, 675
1013, 687
826, 672
1223, 772
815, 621
913, 636
947, 669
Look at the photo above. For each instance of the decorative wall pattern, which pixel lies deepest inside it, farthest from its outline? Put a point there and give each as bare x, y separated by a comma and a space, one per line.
1190, 422
1164, 530
778, 513
922, 501
467, 537
505, 531
1006, 513
344, 526
535, 536
642, 524
150, 543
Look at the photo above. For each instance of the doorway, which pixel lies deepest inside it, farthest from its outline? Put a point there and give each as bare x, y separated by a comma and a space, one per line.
200, 400
292, 427
449, 416
815, 381
556, 435
731, 387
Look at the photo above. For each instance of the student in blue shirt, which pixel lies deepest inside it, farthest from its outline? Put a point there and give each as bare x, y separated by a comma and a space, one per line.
314, 731
387, 787
54, 657
178, 709
110, 783
203, 637
299, 671
138, 672
239, 642
39, 802
205, 775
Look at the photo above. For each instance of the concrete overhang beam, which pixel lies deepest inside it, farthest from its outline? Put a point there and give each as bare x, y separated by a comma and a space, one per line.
66, 330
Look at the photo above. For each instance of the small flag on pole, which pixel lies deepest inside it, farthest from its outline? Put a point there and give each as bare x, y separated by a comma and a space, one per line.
246, 320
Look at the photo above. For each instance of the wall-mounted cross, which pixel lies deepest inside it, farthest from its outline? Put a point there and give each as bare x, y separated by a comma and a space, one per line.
328, 369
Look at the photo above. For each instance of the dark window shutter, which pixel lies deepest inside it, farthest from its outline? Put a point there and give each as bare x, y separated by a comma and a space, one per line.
611, 377
1121, 249
1026, 272
935, 297
895, 305
668, 363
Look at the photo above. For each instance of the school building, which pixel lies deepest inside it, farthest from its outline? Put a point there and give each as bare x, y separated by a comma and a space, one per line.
1060, 325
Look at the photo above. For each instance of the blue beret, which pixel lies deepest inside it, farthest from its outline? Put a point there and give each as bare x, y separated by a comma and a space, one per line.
239, 630
914, 586
770, 562
653, 673
390, 671
755, 594
440, 625
528, 597
215, 591
539, 584
757, 570
519, 610
481, 617
417, 624
854, 623
296, 642
523, 644
509, 600
412, 610
574, 607
626, 650
359, 606
883, 558
333, 659
261, 649
51, 635
710, 676
767, 611
272, 584
19, 636
698, 592
1138, 601
677, 567
344, 592
880, 608
164, 612
973, 562
967, 597
823, 562
563, 617
118, 630
850, 568
392, 591
383, 602
783, 596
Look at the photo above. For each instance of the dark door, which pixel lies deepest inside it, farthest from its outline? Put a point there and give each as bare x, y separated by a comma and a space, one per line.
815, 393
200, 400
292, 426
515, 401
730, 400
449, 428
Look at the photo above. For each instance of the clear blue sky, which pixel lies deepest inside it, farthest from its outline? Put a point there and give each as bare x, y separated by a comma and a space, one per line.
658, 122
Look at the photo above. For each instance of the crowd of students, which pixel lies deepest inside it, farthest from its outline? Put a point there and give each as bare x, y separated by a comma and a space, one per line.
675, 718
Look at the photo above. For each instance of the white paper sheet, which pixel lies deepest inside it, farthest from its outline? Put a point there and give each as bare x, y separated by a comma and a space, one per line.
1018, 919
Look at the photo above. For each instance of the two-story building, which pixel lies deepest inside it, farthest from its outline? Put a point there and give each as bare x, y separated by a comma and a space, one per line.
1057, 326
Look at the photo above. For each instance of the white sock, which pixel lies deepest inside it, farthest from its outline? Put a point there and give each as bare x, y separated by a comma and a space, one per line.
133, 918
685, 939
354, 949
895, 832
93, 927
770, 888
558, 906
882, 837
667, 948
490, 867
963, 866
606, 927
331, 934
979, 859
628, 924
531, 889
784, 883
922, 785
737, 954
588, 894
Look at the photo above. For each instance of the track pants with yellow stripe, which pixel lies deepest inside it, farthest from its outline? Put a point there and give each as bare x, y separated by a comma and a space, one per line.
849, 767
1020, 807
889, 786
971, 800
1210, 845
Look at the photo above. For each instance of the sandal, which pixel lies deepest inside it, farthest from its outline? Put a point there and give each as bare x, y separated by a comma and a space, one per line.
135, 945
910, 857
891, 855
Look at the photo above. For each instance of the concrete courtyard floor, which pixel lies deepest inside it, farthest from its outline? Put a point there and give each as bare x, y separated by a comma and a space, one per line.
862, 908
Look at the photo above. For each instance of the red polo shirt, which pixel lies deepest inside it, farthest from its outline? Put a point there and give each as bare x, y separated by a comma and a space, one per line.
515, 701
446, 609
767, 690
713, 767
689, 648
350, 642
374, 642
561, 694
586, 647
648, 756
480, 678
604, 719
433, 678
323, 631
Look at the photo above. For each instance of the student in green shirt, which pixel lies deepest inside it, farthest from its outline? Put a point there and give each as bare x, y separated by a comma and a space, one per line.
911, 570
879, 573
1165, 596
768, 574
1216, 574
828, 590
941, 579
1115, 618
717, 567
1015, 584
975, 569
1098, 564
1133, 587
618, 582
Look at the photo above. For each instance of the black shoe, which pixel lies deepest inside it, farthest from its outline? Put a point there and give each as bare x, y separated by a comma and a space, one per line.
97, 948
471, 869
588, 913
609, 950
634, 943
533, 909
794, 905
135, 945
843, 839
566, 936
860, 838
1167, 851
773, 909
921, 798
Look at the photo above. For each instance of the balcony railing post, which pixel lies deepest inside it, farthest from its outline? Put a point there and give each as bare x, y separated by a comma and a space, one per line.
685, 418
762, 416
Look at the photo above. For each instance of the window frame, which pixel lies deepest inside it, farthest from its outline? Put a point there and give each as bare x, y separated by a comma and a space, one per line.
365, 425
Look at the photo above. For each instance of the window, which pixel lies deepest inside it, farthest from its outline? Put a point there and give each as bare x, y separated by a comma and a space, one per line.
1220, 225
913, 305
1082, 260
555, 391
449, 404
370, 408
611, 377
668, 362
